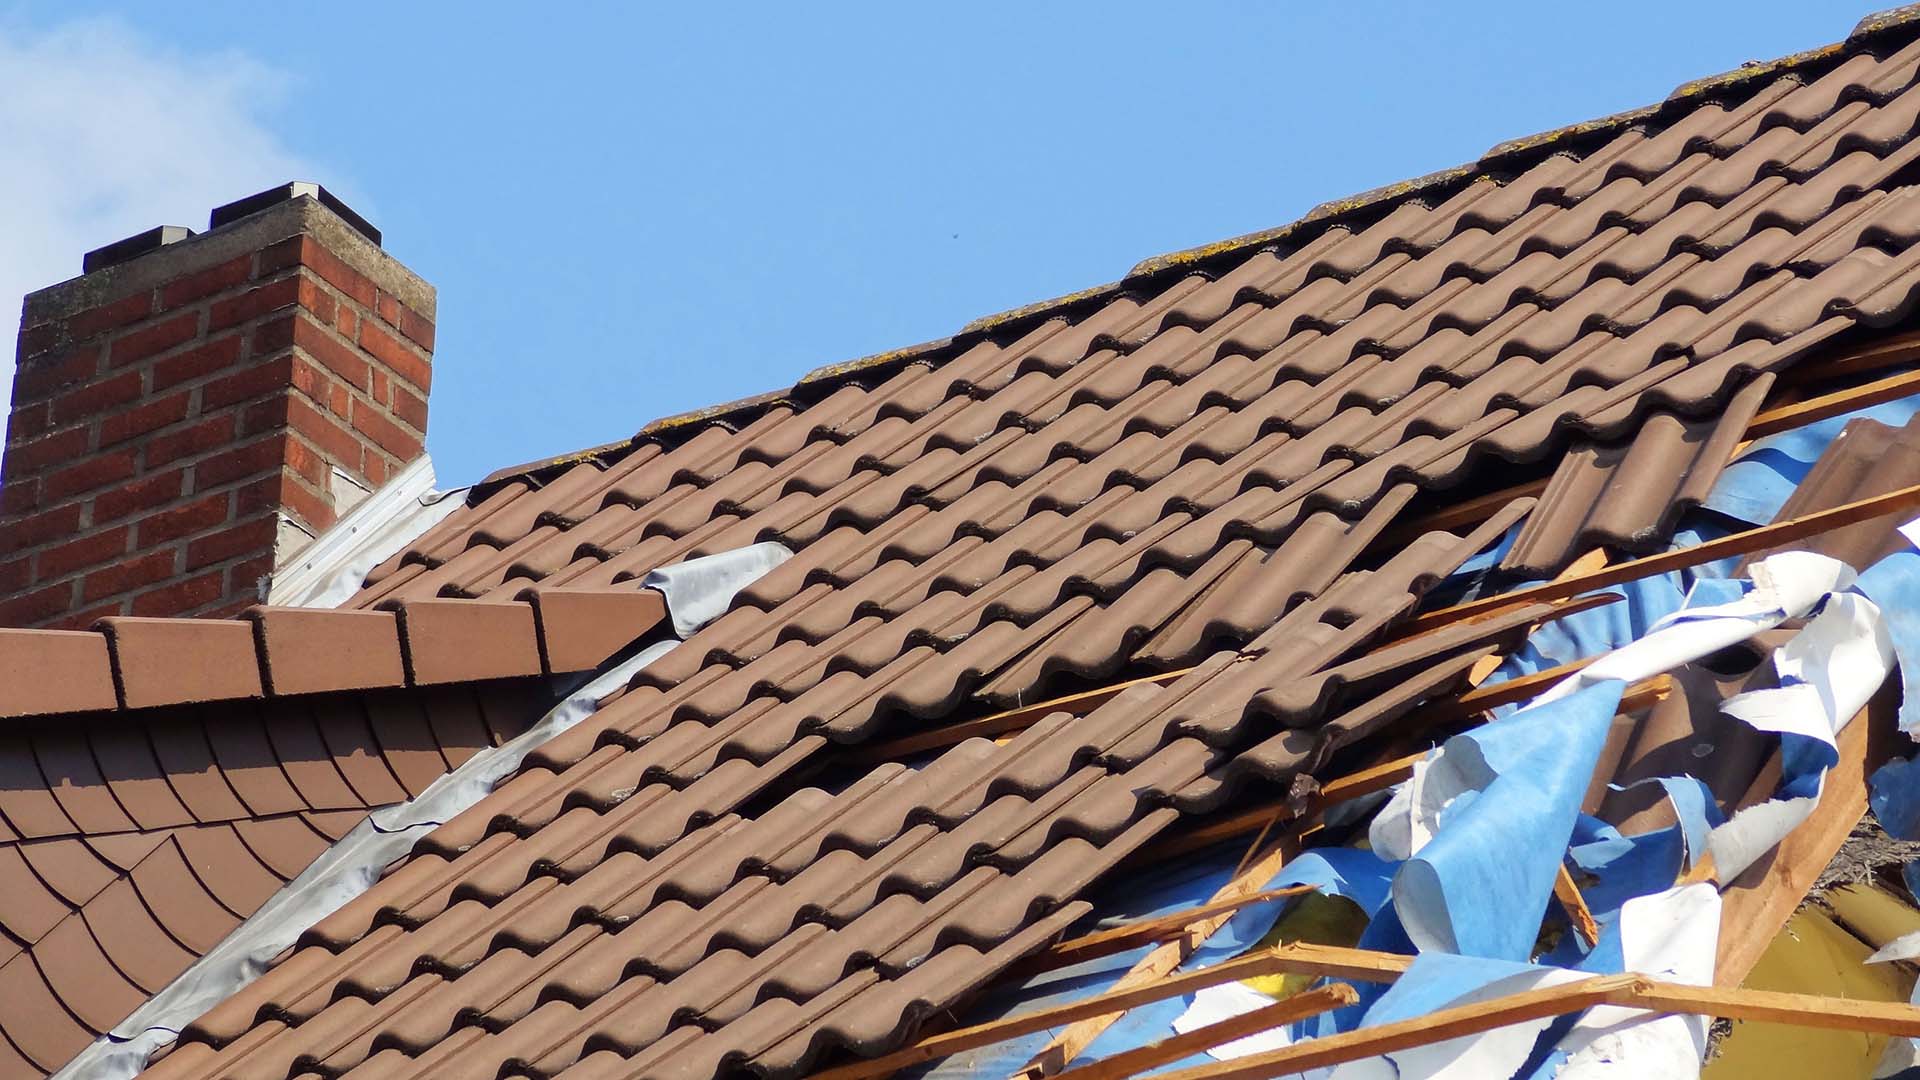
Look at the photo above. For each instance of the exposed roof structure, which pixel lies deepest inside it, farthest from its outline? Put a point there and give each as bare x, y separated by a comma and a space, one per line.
1217, 518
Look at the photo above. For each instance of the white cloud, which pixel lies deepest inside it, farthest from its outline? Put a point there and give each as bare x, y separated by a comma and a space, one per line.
104, 134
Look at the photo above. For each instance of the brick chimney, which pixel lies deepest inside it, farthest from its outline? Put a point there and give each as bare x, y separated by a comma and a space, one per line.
194, 409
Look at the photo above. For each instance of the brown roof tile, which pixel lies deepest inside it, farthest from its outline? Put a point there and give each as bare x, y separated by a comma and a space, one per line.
129, 850
1867, 458
456, 641
173, 661
1629, 493
137, 663
54, 671
306, 651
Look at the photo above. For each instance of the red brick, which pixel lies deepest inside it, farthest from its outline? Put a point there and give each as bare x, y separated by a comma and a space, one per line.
19, 534
339, 402
303, 458
238, 463
277, 257
375, 468
333, 355
38, 339
260, 378
121, 312
274, 334
335, 441
129, 574
206, 282
336, 272
15, 574
176, 522
203, 435
30, 457
143, 494
28, 421
265, 415
213, 355
382, 386
260, 495
248, 538
310, 380
401, 358
181, 597
254, 303
38, 606
418, 328
348, 323
232, 608
88, 473
139, 344
373, 422
319, 301
64, 559
19, 496
141, 419
243, 579
410, 407
313, 509
34, 381
96, 398
86, 617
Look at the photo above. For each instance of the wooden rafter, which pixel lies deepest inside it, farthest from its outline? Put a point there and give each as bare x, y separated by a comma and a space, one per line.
1301, 1006
1903, 500
1281, 960
1146, 931
1629, 991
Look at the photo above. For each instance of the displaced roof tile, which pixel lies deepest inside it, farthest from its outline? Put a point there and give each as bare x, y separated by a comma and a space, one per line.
580, 628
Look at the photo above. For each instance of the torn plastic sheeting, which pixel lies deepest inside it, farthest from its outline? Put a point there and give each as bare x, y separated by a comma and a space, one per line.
1597, 630
355, 862
1441, 980
1674, 936
1755, 485
1153, 892
1828, 672
1784, 586
333, 567
1478, 886
699, 591
1893, 584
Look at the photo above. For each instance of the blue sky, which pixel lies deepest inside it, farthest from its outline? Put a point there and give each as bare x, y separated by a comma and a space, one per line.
633, 210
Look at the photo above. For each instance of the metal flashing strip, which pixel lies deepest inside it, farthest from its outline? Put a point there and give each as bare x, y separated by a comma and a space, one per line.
700, 591
332, 568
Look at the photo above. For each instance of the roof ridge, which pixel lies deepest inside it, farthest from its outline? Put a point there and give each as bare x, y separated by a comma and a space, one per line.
1897, 24
127, 662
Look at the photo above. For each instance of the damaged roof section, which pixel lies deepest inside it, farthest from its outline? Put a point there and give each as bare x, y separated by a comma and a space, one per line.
1221, 476
1221, 521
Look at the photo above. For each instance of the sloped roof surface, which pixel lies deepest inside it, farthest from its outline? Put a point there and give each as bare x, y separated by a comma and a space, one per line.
160, 779
1219, 463
131, 847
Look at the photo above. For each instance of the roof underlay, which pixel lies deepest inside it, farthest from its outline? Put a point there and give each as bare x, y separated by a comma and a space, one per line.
1211, 514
